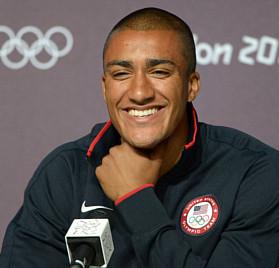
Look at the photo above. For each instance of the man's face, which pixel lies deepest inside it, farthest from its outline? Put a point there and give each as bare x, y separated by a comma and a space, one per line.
145, 86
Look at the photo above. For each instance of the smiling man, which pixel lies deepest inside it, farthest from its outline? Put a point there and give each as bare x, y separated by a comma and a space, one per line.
146, 87
184, 193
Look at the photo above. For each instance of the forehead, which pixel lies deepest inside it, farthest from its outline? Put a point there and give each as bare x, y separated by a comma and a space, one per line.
126, 44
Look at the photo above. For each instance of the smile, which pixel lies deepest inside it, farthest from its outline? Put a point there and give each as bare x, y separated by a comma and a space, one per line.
143, 113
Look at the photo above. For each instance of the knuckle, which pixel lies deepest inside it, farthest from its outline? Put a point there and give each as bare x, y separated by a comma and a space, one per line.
112, 150
105, 160
98, 171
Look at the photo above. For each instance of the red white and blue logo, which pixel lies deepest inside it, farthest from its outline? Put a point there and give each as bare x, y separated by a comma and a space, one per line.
200, 215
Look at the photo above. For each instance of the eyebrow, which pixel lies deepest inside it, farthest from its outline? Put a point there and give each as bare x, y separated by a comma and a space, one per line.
155, 62
149, 63
123, 63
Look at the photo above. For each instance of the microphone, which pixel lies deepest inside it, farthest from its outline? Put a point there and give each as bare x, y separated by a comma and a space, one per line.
89, 241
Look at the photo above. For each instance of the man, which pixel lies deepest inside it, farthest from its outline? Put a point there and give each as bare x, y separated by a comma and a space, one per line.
184, 194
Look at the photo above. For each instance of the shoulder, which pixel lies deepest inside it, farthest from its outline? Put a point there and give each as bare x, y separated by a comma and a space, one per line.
255, 163
66, 158
240, 153
61, 177
235, 139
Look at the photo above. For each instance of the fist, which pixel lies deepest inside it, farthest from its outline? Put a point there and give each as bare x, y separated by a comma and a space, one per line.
126, 168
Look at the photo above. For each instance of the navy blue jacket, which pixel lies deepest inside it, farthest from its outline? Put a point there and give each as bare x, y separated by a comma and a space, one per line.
217, 207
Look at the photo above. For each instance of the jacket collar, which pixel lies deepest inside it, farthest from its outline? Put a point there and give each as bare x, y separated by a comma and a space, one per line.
106, 136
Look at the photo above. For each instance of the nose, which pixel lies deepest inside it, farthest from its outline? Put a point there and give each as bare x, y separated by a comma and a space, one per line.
141, 90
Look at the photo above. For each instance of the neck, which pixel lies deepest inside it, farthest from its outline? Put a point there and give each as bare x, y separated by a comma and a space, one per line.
173, 146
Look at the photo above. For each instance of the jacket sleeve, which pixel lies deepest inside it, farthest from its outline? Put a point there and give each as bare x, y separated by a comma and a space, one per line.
35, 237
249, 239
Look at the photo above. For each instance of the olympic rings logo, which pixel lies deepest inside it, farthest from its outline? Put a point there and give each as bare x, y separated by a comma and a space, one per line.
198, 220
30, 52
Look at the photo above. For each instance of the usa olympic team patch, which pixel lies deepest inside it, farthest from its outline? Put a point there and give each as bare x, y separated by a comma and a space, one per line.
200, 215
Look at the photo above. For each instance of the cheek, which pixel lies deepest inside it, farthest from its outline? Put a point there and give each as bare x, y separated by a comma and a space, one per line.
178, 103
176, 94
111, 100
114, 93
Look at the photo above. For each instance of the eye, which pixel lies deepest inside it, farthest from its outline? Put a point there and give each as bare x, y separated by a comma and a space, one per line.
160, 73
120, 75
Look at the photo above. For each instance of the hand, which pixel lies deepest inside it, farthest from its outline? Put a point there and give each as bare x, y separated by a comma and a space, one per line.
126, 168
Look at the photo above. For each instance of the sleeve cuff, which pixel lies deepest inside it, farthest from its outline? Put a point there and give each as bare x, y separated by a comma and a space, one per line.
143, 211
122, 198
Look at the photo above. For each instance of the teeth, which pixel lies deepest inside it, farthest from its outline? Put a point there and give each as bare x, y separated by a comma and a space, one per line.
144, 113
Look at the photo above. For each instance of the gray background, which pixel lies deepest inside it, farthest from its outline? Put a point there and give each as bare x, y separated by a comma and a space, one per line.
41, 109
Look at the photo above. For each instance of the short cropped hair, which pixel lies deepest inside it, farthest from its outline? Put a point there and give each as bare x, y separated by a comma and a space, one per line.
157, 19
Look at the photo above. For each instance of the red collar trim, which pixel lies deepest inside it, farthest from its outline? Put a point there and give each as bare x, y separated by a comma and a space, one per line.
98, 137
108, 124
190, 144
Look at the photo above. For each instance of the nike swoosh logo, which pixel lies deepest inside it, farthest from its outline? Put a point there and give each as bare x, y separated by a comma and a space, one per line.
89, 208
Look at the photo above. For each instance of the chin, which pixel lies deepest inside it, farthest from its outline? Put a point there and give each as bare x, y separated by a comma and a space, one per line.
143, 139
143, 143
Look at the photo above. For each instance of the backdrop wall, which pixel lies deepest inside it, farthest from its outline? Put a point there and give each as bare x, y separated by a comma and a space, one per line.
51, 67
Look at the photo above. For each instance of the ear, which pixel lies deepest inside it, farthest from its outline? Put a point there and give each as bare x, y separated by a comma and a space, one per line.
104, 87
193, 86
